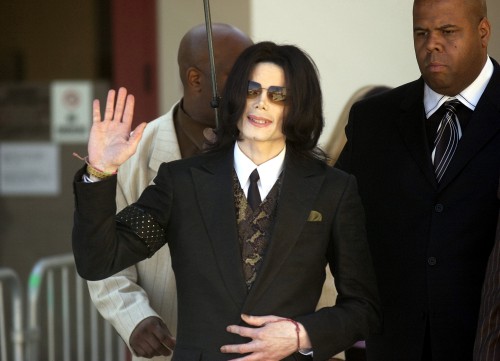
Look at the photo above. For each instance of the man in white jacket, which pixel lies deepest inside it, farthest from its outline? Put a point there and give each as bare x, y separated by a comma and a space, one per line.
141, 301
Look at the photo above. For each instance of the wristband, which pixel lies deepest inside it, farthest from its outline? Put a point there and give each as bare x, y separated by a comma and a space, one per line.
93, 171
98, 173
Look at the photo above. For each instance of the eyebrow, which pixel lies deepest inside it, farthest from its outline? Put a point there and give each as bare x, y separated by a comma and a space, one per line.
442, 27
447, 26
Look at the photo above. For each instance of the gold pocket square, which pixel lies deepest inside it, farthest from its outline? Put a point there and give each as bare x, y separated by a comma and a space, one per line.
315, 216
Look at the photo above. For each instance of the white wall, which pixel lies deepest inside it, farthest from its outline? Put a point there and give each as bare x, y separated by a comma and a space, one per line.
353, 42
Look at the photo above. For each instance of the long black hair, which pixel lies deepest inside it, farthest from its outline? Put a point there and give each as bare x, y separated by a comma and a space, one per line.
303, 114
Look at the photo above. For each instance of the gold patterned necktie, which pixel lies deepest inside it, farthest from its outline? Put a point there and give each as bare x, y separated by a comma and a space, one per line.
448, 135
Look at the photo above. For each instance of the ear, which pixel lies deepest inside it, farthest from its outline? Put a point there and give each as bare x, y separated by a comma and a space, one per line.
484, 28
194, 78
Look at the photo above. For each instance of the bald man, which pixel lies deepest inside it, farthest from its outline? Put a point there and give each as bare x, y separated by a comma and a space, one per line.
141, 301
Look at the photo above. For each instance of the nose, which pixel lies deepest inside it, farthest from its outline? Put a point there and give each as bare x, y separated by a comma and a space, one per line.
433, 42
261, 100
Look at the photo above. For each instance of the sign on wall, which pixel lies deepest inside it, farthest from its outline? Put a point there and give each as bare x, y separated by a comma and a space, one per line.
29, 169
71, 111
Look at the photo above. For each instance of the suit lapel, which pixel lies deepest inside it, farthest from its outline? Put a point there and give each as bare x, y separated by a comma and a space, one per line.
293, 209
411, 125
483, 126
167, 146
213, 186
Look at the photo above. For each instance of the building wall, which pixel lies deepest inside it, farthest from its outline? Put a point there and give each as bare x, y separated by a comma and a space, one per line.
55, 39
175, 18
354, 43
494, 17
41, 42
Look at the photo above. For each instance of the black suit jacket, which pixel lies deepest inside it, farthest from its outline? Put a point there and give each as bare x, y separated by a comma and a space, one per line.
430, 242
487, 346
193, 203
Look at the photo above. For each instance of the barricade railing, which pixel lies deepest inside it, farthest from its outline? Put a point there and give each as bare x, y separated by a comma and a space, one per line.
11, 316
70, 328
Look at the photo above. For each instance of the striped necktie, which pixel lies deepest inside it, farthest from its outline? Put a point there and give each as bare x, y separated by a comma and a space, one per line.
448, 135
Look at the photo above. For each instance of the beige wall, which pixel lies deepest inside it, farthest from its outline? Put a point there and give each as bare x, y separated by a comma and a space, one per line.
494, 16
175, 18
354, 43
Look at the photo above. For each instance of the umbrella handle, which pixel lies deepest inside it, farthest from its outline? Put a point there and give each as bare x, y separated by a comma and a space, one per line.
215, 99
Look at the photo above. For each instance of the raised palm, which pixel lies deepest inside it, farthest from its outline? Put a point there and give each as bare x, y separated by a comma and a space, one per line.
111, 141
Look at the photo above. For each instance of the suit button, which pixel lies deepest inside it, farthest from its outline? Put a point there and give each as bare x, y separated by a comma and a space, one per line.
439, 207
431, 261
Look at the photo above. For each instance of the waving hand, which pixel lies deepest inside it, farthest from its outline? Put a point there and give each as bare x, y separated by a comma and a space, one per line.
111, 141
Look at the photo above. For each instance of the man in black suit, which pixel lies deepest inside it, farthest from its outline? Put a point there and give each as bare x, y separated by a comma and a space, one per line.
487, 346
249, 253
431, 209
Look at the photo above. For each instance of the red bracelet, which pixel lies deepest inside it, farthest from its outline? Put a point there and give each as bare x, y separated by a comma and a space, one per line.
297, 328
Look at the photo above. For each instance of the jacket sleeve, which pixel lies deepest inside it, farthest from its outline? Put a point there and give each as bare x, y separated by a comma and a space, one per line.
122, 298
146, 289
101, 246
121, 301
488, 331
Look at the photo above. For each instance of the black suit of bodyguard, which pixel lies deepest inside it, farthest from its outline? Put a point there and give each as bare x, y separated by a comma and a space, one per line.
430, 240
193, 207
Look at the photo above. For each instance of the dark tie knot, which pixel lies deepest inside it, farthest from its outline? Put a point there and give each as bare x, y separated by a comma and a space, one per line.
452, 105
254, 176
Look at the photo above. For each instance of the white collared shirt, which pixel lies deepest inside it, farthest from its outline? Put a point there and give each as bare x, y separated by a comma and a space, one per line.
469, 96
268, 171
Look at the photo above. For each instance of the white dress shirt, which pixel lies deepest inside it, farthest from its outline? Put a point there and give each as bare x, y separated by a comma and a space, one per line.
268, 171
469, 96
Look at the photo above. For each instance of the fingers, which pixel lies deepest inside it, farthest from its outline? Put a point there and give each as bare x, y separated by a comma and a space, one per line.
129, 108
124, 107
163, 334
120, 104
240, 348
96, 111
152, 338
151, 349
272, 338
110, 104
136, 135
242, 331
258, 320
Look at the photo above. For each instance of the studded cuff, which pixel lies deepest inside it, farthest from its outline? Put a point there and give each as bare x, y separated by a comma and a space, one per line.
144, 226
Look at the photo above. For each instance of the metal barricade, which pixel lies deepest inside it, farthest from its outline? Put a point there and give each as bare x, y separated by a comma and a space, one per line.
63, 324
11, 328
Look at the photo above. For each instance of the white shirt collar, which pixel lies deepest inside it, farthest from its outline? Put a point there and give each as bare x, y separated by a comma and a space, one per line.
268, 171
469, 96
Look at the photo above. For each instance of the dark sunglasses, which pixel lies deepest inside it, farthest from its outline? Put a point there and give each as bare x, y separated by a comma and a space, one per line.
274, 93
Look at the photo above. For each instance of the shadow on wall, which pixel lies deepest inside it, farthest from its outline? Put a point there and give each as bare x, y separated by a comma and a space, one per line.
338, 139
